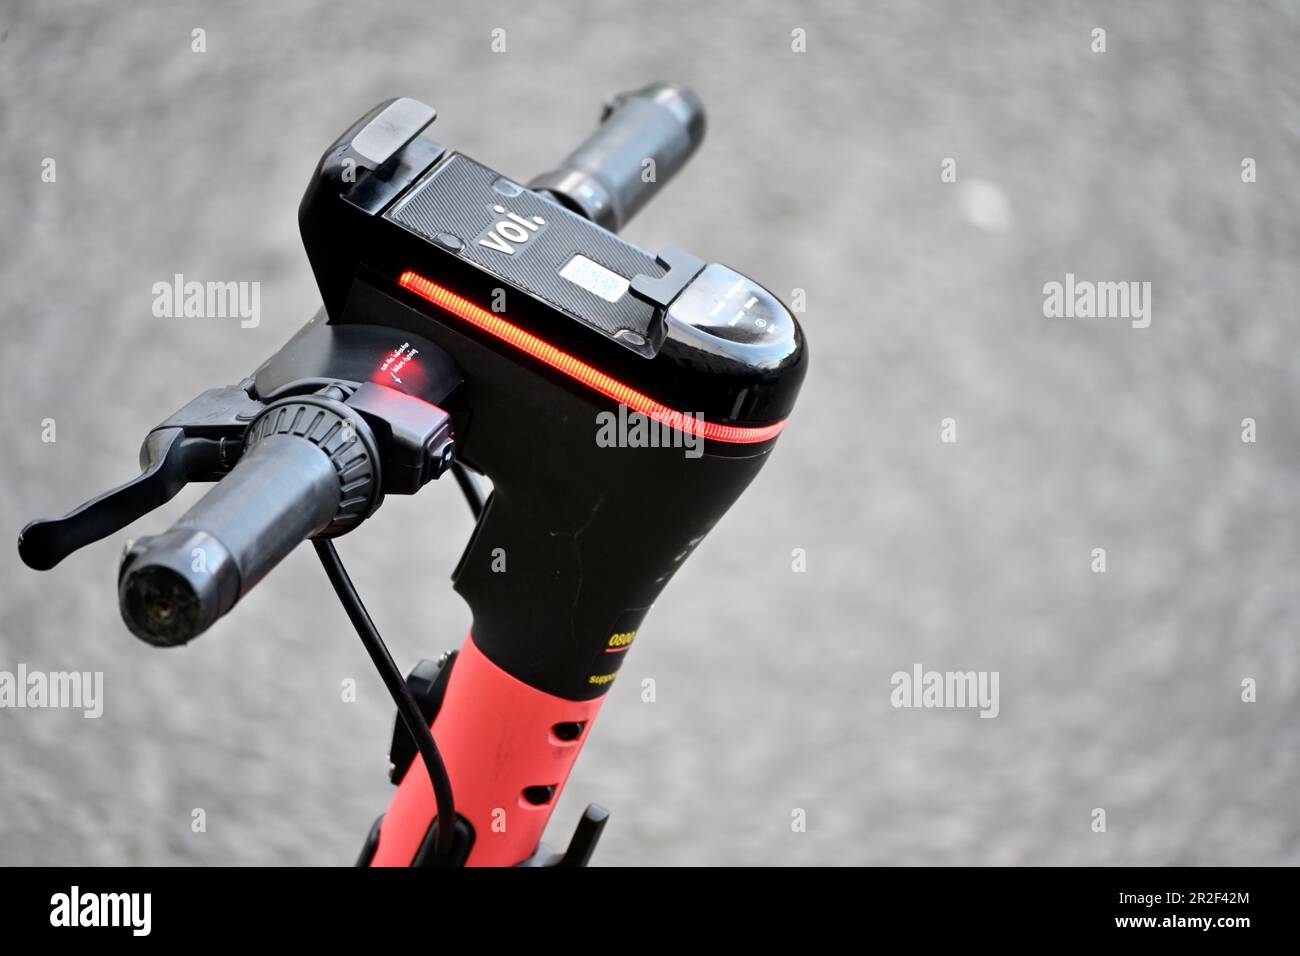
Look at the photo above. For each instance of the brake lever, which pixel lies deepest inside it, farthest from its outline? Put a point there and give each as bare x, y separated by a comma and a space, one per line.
172, 459
199, 443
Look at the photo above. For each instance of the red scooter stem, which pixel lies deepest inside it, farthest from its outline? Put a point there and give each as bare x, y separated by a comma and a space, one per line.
499, 740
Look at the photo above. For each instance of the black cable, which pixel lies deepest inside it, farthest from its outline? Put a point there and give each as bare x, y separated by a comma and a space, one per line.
469, 485
402, 696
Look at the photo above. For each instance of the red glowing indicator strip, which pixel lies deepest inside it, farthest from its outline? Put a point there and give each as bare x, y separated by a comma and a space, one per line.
579, 370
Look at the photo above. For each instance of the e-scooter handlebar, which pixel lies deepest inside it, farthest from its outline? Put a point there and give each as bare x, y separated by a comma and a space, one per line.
619, 400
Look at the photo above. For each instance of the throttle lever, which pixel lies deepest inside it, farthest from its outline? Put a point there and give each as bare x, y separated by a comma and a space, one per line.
172, 459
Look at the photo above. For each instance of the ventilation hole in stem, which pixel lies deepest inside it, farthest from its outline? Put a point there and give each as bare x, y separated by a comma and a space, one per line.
568, 730
540, 795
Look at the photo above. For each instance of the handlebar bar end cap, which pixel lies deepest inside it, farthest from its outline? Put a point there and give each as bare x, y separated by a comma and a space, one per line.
171, 591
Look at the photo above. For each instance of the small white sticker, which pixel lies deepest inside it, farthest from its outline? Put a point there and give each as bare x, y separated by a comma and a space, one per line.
595, 278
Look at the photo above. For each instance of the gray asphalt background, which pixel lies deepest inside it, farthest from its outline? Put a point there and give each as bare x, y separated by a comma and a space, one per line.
924, 301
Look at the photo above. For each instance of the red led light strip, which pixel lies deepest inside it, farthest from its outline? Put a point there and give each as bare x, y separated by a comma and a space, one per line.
579, 370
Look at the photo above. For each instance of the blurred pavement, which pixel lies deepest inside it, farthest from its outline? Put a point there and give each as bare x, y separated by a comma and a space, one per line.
924, 302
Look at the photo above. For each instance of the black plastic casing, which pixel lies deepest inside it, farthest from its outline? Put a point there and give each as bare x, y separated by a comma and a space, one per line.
577, 540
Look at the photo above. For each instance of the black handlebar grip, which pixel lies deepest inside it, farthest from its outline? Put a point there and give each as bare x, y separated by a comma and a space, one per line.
610, 177
308, 463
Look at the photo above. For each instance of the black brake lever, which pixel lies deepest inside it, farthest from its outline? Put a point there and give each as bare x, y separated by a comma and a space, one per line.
173, 458
200, 442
